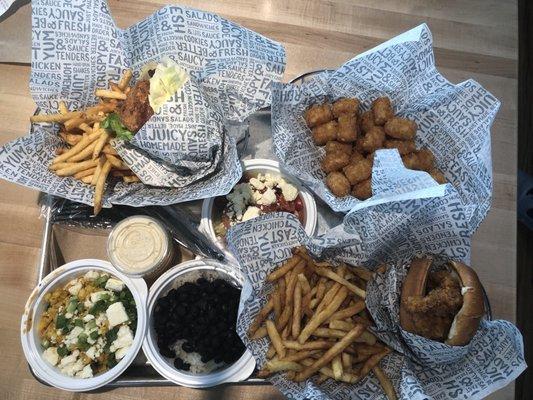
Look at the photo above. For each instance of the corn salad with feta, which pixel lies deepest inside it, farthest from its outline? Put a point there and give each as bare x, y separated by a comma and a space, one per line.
88, 325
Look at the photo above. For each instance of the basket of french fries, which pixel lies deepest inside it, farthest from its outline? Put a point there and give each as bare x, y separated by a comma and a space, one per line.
342, 316
87, 154
317, 323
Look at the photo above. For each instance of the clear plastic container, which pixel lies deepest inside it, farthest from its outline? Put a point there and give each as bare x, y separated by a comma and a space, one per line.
140, 246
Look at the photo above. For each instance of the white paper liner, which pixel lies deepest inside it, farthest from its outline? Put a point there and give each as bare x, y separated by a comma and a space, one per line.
183, 152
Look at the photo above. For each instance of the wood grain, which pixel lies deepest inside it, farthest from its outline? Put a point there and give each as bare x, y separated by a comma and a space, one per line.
473, 39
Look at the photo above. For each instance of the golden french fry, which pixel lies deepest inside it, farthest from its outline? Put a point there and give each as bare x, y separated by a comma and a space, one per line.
320, 292
55, 117
109, 94
386, 383
285, 267
278, 365
361, 272
348, 312
72, 138
100, 186
289, 296
125, 79
87, 179
328, 333
260, 333
319, 318
76, 167
346, 360
114, 87
99, 166
311, 345
300, 355
260, 317
86, 128
328, 356
271, 351
84, 142
62, 107
131, 179
60, 165
102, 107
275, 338
322, 378
345, 377
276, 298
342, 325
83, 174
84, 154
75, 122
60, 151
336, 366
372, 362
337, 278
328, 296
282, 290
115, 161
100, 143
109, 150
297, 312
306, 288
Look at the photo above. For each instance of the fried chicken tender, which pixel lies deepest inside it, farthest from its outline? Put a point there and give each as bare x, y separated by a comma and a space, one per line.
403, 146
422, 160
433, 313
438, 176
358, 171
345, 106
401, 128
334, 161
382, 110
318, 114
347, 128
136, 109
325, 132
363, 190
372, 140
333, 146
338, 184
367, 121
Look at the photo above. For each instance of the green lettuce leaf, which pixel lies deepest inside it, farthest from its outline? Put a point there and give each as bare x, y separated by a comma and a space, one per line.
113, 124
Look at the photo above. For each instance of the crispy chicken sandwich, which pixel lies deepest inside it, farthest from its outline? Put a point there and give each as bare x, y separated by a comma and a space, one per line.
444, 304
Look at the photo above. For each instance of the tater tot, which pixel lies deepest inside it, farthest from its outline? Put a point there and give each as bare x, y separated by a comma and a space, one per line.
338, 184
318, 114
403, 146
333, 146
359, 171
401, 128
422, 160
382, 110
347, 128
363, 190
372, 140
345, 106
371, 156
325, 132
410, 161
426, 159
356, 156
367, 121
334, 161
438, 176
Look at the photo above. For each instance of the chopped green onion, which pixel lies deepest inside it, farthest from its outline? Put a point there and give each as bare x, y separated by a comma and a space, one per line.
93, 335
62, 351
78, 322
61, 321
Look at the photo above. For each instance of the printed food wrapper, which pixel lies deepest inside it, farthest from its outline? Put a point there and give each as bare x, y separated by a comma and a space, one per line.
391, 228
5, 5
183, 152
453, 120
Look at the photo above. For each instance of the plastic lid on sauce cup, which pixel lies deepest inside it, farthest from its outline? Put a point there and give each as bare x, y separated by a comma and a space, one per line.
139, 246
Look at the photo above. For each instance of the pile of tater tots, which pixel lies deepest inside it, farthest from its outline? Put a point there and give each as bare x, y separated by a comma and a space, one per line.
351, 138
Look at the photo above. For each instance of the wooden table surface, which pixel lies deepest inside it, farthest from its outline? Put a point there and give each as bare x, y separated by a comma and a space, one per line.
473, 39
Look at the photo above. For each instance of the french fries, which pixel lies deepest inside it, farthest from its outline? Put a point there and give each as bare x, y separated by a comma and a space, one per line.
90, 158
316, 320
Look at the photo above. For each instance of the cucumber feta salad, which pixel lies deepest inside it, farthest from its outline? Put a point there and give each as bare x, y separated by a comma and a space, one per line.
88, 325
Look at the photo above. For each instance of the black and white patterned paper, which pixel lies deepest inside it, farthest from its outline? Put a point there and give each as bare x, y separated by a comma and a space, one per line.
454, 120
183, 152
391, 228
